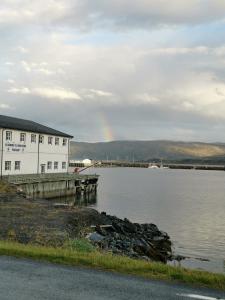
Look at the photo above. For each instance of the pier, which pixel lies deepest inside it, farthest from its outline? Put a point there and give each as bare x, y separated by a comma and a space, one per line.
128, 164
54, 185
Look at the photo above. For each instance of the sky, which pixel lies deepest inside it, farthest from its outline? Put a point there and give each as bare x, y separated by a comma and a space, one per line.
116, 70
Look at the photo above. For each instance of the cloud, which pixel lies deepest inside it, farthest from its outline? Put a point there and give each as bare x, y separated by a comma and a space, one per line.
26, 66
40, 68
89, 14
101, 93
147, 98
59, 94
45, 71
21, 90
10, 81
140, 64
9, 63
22, 49
181, 87
4, 106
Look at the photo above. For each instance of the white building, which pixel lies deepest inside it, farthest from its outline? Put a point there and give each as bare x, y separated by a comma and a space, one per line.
87, 162
27, 147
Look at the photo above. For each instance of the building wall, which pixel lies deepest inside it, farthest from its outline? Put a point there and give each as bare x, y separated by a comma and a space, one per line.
32, 155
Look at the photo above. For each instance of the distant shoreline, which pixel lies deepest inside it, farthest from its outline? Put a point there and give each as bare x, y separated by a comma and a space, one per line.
173, 166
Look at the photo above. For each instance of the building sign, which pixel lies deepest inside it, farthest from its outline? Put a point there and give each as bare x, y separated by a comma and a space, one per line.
15, 147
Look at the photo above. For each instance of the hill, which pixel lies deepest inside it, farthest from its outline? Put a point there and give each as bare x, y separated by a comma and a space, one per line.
149, 151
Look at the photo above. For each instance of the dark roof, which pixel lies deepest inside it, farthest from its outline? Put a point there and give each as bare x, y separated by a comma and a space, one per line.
26, 125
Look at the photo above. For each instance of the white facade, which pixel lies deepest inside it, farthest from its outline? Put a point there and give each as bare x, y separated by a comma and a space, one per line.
24, 152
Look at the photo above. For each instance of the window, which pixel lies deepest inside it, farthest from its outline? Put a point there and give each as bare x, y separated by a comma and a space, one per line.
64, 142
50, 140
8, 165
63, 165
56, 165
56, 141
49, 165
17, 165
8, 135
33, 138
41, 139
23, 137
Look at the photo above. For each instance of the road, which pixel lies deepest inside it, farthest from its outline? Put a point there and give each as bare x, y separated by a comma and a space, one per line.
22, 279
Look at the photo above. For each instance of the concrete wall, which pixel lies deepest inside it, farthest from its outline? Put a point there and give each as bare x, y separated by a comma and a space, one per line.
27, 153
54, 189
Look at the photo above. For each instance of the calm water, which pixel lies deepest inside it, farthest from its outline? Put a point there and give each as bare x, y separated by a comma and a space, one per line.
188, 204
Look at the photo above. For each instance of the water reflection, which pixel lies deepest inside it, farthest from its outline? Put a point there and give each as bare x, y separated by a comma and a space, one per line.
79, 200
85, 200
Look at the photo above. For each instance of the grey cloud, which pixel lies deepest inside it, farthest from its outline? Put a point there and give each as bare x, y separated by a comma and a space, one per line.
130, 100
89, 14
140, 90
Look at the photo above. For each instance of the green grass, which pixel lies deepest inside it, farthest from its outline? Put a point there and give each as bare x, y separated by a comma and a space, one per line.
80, 245
80, 255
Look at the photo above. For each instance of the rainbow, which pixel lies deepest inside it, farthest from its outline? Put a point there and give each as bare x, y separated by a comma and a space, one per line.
105, 127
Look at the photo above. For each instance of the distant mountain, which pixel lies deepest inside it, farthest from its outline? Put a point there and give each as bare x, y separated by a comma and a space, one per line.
149, 151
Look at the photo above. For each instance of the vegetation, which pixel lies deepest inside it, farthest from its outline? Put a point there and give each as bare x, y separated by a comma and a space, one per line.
150, 151
5, 187
80, 253
80, 245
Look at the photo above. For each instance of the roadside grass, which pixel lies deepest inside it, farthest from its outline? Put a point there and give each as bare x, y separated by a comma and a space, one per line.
79, 253
80, 245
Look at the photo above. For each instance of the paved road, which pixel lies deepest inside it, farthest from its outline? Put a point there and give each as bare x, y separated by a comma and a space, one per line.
22, 279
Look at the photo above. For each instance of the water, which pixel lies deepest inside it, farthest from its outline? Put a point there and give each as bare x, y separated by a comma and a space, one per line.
188, 204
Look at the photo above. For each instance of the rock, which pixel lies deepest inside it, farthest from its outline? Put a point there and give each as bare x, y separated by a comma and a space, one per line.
118, 227
129, 227
95, 237
143, 241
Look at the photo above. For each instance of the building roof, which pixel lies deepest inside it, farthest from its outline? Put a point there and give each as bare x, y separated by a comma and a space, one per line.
26, 125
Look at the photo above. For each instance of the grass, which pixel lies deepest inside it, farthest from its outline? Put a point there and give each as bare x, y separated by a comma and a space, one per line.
78, 253
5, 187
80, 245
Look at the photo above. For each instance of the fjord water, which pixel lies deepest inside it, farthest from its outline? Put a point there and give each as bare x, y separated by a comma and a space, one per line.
188, 204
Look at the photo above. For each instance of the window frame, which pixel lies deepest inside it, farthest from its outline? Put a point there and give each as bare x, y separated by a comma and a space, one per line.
22, 134
50, 140
33, 138
9, 165
64, 142
49, 165
56, 165
63, 165
57, 141
41, 139
17, 163
8, 132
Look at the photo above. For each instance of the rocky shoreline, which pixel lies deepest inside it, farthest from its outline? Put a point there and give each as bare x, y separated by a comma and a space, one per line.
141, 241
42, 222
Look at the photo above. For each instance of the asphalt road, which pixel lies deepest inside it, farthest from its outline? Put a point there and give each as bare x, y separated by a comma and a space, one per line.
22, 279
